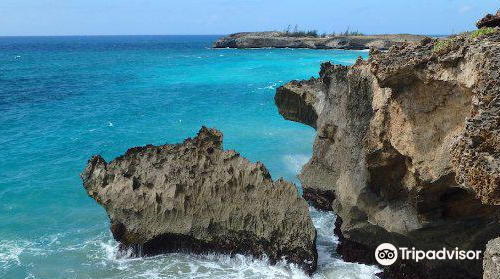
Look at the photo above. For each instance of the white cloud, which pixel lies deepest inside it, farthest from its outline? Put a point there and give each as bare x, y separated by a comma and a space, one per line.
465, 9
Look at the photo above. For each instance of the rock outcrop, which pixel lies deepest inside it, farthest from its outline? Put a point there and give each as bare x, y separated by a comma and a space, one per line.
301, 101
491, 261
489, 20
408, 141
282, 40
197, 197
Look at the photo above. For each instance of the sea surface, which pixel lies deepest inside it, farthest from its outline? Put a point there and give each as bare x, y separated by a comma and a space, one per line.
64, 99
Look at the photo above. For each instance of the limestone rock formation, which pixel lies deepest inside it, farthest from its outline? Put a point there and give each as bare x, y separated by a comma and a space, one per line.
301, 101
408, 141
282, 40
491, 261
197, 197
489, 20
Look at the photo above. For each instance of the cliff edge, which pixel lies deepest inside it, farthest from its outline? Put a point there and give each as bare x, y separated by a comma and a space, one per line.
407, 150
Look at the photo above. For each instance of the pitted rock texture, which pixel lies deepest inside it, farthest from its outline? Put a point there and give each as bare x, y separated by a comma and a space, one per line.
197, 197
489, 20
491, 261
273, 39
409, 143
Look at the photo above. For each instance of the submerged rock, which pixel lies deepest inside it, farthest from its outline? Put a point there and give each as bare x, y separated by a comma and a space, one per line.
197, 197
489, 20
409, 142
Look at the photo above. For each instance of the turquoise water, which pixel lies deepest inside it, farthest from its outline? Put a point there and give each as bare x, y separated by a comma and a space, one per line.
63, 99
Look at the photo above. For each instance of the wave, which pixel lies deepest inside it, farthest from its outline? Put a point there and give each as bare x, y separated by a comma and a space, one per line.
9, 253
218, 266
101, 253
330, 264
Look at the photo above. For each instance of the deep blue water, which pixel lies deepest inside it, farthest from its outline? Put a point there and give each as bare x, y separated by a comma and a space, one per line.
63, 99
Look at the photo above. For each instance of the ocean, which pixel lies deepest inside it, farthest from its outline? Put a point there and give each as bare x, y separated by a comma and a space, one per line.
64, 99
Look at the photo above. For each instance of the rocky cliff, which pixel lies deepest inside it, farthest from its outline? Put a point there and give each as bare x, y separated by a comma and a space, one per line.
197, 197
301, 101
407, 150
282, 40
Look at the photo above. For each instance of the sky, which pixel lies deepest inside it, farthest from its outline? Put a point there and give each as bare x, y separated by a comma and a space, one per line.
192, 17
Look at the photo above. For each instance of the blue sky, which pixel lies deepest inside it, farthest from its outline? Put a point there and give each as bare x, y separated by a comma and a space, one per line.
126, 17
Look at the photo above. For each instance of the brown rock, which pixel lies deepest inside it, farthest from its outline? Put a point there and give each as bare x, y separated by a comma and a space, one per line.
489, 21
301, 101
409, 143
491, 261
197, 197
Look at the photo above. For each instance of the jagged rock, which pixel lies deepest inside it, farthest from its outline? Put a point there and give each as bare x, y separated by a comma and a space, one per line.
301, 101
275, 39
409, 143
489, 20
195, 196
491, 262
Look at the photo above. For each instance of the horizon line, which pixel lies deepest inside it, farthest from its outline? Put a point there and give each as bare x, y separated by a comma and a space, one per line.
117, 35
110, 35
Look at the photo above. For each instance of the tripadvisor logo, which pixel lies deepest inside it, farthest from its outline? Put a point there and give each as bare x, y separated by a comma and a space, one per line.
387, 254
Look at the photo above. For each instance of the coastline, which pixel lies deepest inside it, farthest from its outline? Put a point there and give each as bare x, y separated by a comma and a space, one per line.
432, 189
269, 39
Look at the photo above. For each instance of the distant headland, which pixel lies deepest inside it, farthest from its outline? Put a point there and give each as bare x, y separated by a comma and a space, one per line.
277, 39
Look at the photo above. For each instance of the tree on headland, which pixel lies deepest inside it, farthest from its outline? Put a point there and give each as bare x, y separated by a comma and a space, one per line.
297, 32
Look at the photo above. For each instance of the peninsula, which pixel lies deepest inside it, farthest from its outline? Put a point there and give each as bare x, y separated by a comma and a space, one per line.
275, 39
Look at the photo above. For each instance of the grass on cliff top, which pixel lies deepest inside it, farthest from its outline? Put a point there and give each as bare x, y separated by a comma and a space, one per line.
471, 35
482, 32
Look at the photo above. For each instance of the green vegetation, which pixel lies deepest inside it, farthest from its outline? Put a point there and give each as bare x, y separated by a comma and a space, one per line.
443, 44
296, 32
300, 33
349, 33
466, 35
482, 32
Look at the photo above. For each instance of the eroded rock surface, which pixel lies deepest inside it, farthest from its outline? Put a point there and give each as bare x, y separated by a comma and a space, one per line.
408, 141
491, 261
195, 196
489, 20
301, 101
282, 40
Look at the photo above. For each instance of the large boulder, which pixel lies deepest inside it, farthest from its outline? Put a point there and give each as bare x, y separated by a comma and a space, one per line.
408, 141
195, 196
489, 20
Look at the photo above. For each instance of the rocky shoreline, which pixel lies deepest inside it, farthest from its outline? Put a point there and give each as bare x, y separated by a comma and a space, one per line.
199, 198
408, 143
407, 152
282, 40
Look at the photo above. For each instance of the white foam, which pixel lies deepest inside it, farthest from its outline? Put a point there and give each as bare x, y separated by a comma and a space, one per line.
216, 266
330, 265
294, 162
10, 252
